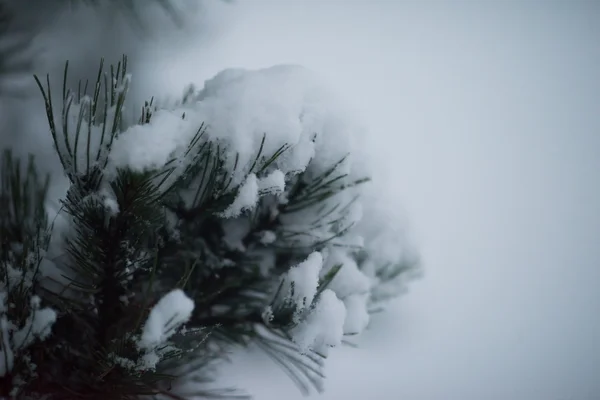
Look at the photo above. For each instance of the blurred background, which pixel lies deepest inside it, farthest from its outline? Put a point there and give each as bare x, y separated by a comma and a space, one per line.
484, 117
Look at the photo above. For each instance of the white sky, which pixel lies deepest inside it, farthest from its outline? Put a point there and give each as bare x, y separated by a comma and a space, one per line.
487, 118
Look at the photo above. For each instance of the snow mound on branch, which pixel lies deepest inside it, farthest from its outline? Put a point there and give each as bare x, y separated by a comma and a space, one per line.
274, 183
151, 146
288, 103
387, 247
251, 190
351, 286
323, 327
285, 105
349, 279
169, 314
252, 115
246, 199
302, 281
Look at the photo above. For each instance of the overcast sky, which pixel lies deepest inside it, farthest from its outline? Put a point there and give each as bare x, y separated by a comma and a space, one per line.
486, 119
487, 115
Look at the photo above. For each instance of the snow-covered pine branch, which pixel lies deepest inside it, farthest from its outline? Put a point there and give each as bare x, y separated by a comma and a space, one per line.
248, 197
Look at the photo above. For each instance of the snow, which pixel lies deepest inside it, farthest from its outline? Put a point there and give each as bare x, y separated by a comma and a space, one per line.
323, 327
273, 184
268, 237
302, 282
287, 106
36, 326
14, 277
148, 361
357, 314
150, 146
287, 102
109, 201
349, 278
386, 246
246, 199
340, 309
169, 314
353, 287
166, 317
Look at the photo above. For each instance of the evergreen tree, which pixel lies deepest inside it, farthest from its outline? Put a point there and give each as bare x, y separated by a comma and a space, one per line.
178, 238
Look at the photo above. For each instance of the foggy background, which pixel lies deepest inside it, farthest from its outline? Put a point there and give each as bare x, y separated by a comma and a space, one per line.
485, 119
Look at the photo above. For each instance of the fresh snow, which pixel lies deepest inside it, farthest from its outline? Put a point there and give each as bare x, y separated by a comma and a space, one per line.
250, 191
357, 314
349, 279
287, 105
268, 237
150, 146
302, 281
274, 183
37, 326
246, 199
109, 201
352, 286
323, 327
167, 317
170, 313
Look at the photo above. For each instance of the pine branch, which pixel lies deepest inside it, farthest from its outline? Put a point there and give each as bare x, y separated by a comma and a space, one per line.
147, 252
